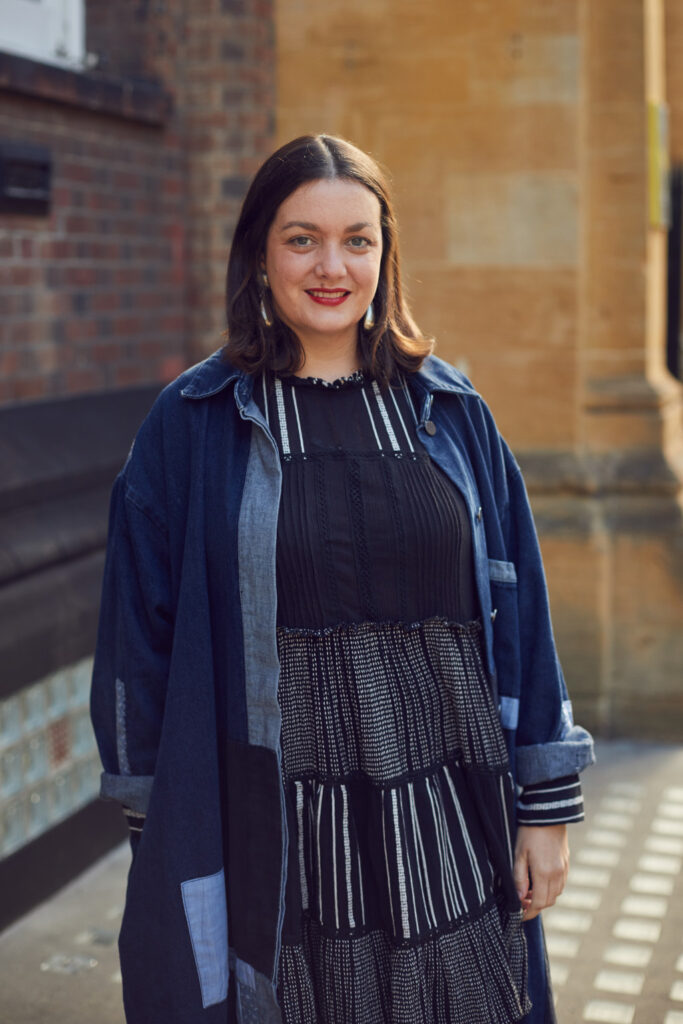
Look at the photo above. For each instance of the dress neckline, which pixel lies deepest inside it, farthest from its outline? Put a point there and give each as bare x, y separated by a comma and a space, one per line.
353, 379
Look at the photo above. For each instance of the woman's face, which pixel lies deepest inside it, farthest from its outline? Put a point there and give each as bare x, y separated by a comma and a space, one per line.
322, 258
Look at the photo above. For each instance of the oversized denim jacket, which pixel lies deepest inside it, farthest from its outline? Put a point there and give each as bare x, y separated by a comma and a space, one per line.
184, 698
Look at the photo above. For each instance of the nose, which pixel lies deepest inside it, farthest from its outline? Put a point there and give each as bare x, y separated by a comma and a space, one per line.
331, 262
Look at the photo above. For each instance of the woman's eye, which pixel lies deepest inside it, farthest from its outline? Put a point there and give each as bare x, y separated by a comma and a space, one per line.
301, 241
358, 242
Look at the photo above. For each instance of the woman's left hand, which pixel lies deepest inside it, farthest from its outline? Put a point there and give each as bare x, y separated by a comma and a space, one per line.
541, 866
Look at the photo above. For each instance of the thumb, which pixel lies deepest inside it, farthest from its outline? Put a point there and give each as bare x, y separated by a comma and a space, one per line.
521, 873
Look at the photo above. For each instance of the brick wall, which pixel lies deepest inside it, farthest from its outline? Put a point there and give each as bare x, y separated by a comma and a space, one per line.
92, 295
122, 283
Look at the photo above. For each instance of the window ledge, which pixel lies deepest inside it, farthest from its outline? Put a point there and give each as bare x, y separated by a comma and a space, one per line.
134, 100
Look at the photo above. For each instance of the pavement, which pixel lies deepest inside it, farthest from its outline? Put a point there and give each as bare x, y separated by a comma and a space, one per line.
615, 937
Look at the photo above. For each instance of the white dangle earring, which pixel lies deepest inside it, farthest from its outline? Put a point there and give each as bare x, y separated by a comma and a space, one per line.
369, 321
264, 312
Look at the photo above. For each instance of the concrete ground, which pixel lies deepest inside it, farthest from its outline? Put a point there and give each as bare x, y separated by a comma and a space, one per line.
615, 937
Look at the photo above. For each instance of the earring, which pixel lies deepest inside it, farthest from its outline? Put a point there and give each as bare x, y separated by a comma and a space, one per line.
369, 321
264, 312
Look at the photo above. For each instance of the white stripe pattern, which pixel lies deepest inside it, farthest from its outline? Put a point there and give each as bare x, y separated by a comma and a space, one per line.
347, 856
478, 881
403, 898
552, 804
450, 898
402, 421
334, 860
418, 836
284, 433
360, 888
508, 838
265, 398
298, 421
386, 861
411, 883
385, 417
300, 825
372, 422
320, 880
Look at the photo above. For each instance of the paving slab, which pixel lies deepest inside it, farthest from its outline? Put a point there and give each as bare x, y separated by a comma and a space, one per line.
615, 937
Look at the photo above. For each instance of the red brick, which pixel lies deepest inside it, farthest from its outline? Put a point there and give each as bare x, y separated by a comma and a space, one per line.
76, 172
78, 381
80, 276
130, 373
77, 329
107, 352
26, 388
103, 302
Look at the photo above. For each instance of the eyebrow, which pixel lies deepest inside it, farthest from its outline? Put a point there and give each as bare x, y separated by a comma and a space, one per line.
307, 226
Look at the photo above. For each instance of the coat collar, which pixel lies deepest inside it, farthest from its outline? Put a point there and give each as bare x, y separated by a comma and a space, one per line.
215, 373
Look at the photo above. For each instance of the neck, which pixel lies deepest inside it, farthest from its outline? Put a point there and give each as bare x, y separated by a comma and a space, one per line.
329, 358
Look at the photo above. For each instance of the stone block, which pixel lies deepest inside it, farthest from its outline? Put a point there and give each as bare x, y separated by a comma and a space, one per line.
520, 219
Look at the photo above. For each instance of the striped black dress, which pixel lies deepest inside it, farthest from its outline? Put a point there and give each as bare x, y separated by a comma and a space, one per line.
400, 904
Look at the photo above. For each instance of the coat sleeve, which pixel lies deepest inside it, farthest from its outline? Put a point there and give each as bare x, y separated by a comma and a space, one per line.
133, 650
548, 744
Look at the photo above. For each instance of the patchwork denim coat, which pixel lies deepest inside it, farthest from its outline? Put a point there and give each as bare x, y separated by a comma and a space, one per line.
184, 696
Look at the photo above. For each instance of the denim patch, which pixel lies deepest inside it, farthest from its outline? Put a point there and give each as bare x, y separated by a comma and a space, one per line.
502, 572
121, 737
257, 532
509, 712
207, 920
133, 791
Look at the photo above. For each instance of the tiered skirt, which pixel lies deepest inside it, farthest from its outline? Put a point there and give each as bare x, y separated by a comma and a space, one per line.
400, 902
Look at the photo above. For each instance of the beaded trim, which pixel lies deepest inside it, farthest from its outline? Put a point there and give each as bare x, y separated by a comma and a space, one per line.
357, 377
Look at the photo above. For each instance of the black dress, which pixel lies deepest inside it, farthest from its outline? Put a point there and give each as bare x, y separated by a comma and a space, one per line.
400, 903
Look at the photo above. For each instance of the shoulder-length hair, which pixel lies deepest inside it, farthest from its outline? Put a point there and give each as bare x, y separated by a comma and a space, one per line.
394, 342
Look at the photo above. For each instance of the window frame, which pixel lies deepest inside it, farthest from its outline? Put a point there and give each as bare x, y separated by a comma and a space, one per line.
49, 31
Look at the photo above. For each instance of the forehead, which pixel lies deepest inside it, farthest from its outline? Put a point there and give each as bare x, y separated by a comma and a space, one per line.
330, 202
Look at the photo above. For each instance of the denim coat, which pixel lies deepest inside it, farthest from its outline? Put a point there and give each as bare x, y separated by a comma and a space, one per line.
184, 698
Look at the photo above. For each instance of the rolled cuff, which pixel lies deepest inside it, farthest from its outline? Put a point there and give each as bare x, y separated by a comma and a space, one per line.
132, 791
555, 802
544, 761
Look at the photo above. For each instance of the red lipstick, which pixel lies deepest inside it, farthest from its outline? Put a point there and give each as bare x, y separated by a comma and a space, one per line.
328, 296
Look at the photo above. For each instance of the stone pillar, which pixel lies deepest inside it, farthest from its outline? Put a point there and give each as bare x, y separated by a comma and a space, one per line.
629, 443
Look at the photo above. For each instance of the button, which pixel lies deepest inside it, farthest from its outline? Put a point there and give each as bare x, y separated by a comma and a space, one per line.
493, 614
480, 514
430, 427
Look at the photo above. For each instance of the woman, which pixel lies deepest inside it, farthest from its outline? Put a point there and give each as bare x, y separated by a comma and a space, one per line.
325, 653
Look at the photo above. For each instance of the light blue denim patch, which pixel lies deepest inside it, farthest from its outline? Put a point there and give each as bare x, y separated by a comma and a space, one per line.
207, 920
509, 712
502, 572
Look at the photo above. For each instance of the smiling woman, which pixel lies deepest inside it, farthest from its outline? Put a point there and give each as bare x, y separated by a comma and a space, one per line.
322, 263
348, 790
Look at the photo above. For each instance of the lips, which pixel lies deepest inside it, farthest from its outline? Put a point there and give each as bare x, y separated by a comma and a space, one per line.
328, 296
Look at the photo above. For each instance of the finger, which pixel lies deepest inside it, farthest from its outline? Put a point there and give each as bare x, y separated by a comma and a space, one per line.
521, 875
540, 896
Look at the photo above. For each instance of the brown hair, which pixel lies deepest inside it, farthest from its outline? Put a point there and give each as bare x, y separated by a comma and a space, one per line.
395, 341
